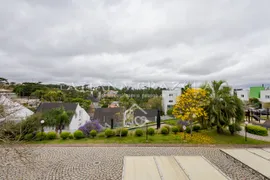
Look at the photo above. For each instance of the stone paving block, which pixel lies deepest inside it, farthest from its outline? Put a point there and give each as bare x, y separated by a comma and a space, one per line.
255, 162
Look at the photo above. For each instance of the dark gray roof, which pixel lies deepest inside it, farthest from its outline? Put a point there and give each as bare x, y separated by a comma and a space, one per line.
104, 115
48, 106
151, 114
266, 124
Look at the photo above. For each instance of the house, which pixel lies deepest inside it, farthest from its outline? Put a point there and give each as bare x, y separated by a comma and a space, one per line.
243, 94
114, 104
104, 116
79, 118
8, 93
13, 110
265, 96
150, 114
110, 93
169, 99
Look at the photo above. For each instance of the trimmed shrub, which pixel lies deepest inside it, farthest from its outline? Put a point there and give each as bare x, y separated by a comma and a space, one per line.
231, 129
164, 131
70, 136
151, 131
40, 136
109, 133
28, 137
167, 127
122, 131
101, 135
64, 135
78, 134
188, 130
196, 128
258, 130
93, 133
51, 135
175, 129
139, 132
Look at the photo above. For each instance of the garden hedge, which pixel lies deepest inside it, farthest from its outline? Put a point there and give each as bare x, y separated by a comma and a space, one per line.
258, 130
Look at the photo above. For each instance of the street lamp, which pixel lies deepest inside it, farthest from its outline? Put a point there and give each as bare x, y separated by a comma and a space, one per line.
184, 128
246, 123
193, 117
146, 122
42, 122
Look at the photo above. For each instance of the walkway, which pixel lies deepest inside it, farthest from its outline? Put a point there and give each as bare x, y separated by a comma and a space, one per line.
253, 136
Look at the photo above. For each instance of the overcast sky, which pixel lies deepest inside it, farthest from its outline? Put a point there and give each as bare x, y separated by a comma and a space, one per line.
135, 41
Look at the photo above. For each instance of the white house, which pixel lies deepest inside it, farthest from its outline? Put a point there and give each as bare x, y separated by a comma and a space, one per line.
243, 94
169, 99
79, 118
265, 96
13, 110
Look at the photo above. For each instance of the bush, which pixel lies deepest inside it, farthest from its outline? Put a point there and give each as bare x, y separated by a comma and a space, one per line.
51, 135
167, 127
93, 133
231, 129
70, 136
175, 129
65, 135
89, 126
139, 132
151, 131
180, 128
238, 127
164, 131
109, 133
122, 131
169, 112
258, 130
188, 130
196, 128
28, 137
40, 136
78, 134
101, 135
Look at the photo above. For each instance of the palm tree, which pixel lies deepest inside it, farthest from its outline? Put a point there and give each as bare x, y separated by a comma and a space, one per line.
223, 106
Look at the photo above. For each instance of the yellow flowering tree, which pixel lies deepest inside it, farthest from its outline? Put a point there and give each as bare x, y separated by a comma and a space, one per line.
190, 105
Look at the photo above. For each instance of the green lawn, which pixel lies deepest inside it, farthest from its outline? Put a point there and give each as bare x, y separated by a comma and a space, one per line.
264, 117
172, 122
203, 137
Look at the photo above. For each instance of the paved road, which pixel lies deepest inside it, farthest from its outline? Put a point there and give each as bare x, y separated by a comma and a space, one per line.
102, 163
253, 136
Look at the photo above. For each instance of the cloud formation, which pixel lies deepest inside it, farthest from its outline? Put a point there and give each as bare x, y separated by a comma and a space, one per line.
134, 41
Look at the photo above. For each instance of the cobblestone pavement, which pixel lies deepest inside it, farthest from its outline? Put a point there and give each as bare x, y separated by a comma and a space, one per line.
105, 163
253, 136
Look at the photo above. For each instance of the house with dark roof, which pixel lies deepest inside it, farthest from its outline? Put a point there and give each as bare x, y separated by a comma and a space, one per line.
104, 115
79, 118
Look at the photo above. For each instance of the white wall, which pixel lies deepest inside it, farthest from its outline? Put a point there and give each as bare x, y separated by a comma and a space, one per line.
169, 99
265, 96
79, 118
243, 95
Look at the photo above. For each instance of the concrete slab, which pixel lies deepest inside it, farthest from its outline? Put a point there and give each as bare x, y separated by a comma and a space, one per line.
266, 149
140, 168
169, 168
253, 161
260, 152
197, 168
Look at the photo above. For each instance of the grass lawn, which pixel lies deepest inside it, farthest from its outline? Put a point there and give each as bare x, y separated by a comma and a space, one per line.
264, 117
203, 137
172, 122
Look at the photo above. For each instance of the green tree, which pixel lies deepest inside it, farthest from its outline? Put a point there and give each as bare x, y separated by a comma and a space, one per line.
126, 102
154, 103
83, 103
223, 107
57, 118
3, 80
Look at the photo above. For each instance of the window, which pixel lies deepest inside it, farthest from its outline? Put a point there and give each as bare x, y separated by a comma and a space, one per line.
170, 94
170, 101
242, 95
267, 96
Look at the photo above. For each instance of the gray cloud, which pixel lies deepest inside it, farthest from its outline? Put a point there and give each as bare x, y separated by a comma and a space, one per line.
133, 41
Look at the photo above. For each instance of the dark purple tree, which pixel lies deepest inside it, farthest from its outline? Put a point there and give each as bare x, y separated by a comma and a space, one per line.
89, 126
